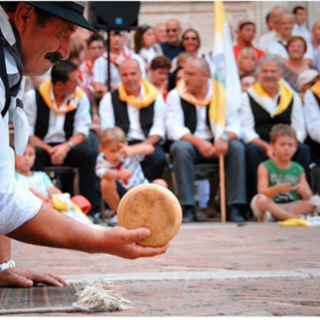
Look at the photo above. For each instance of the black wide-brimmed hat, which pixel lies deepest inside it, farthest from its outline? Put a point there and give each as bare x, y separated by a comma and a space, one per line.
71, 11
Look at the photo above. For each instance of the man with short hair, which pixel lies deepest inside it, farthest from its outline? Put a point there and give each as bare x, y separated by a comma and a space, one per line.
246, 34
188, 125
267, 103
299, 28
35, 35
172, 47
137, 107
160, 32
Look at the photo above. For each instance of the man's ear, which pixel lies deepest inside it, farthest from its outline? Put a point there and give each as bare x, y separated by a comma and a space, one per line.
24, 13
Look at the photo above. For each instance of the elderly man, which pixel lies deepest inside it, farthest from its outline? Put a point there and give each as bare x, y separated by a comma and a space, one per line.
138, 108
312, 112
172, 47
188, 125
267, 103
160, 32
33, 37
315, 41
285, 24
271, 36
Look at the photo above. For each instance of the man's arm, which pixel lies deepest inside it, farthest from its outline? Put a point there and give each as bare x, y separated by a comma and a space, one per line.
5, 249
52, 229
312, 113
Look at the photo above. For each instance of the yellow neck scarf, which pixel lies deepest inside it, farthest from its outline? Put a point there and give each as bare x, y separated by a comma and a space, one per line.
316, 89
286, 96
188, 96
150, 94
44, 90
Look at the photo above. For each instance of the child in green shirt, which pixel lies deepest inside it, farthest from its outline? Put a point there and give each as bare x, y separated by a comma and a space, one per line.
283, 189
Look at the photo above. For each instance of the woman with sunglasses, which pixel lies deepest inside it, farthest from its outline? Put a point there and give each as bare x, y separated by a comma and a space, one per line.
190, 43
145, 44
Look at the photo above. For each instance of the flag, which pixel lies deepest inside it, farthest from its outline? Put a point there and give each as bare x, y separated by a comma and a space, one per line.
224, 72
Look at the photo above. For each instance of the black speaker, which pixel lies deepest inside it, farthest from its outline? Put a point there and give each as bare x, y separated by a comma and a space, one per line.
114, 15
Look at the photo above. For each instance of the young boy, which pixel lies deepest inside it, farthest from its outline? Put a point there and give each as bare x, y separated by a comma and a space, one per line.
283, 189
118, 167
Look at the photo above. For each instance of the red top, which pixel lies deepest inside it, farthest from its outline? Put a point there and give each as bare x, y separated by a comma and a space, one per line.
238, 48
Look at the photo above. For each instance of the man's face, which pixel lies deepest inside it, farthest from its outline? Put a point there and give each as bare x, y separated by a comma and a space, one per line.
159, 76
71, 84
130, 77
247, 33
173, 32
161, 33
116, 40
95, 49
301, 17
194, 77
275, 13
248, 62
269, 75
316, 31
286, 25
41, 45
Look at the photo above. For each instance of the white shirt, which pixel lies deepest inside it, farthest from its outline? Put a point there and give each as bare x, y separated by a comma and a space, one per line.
279, 49
316, 57
148, 54
247, 118
175, 122
312, 112
301, 31
100, 70
56, 134
135, 132
267, 38
17, 203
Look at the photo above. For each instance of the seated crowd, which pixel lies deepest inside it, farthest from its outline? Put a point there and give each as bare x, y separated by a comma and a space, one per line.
121, 122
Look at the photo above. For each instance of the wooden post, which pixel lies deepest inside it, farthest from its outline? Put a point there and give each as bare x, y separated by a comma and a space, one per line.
222, 189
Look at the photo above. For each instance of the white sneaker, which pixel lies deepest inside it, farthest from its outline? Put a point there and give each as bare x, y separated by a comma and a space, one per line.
113, 222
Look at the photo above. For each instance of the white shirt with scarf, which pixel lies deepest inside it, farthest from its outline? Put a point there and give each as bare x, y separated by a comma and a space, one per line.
17, 204
312, 112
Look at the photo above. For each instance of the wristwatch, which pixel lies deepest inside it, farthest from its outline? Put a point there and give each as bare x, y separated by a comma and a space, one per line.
224, 137
71, 144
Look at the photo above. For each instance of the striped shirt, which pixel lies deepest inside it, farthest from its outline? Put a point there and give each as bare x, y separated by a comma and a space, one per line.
131, 163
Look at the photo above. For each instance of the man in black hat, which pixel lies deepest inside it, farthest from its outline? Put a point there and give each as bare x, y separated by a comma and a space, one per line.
34, 35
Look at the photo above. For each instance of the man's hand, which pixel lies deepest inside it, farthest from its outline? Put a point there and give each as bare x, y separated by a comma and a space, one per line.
269, 151
221, 147
18, 277
123, 243
284, 187
206, 148
59, 153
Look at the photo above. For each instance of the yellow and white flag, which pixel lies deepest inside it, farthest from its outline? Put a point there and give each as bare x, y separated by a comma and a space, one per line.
224, 71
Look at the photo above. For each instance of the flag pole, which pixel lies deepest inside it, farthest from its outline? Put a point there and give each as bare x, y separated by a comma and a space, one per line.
222, 189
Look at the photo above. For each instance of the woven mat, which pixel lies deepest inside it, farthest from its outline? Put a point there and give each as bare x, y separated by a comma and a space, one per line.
39, 299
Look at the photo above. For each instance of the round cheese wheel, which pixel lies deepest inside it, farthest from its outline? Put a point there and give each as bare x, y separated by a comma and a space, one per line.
154, 207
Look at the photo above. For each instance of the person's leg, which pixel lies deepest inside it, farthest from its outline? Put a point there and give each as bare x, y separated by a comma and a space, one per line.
254, 156
153, 165
303, 157
183, 157
264, 204
84, 158
110, 194
235, 168
303, 207
160, 182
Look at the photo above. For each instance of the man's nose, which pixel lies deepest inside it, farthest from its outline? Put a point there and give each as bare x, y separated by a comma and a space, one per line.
64, 49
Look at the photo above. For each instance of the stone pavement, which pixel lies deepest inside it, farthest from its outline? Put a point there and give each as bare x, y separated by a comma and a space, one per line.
210, 269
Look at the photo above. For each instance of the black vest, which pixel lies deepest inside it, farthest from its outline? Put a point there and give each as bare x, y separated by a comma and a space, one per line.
190, 115
122, 117
317, 98
43, 115
264, 122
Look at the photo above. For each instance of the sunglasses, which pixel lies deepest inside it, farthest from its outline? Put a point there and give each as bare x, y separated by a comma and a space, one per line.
190, 38
172, 30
